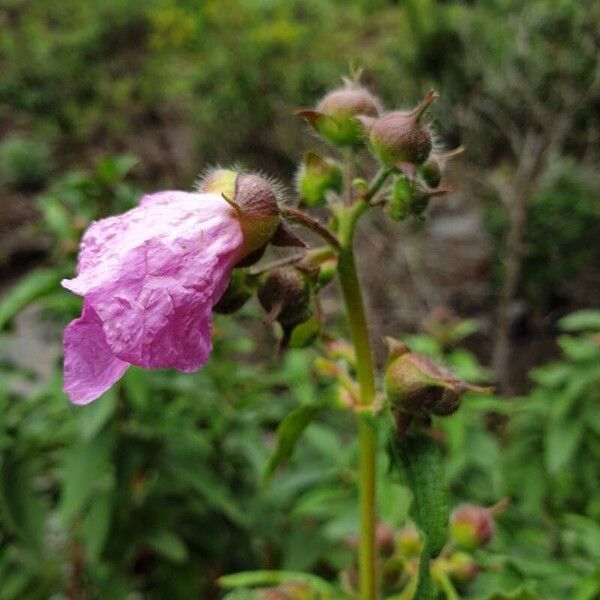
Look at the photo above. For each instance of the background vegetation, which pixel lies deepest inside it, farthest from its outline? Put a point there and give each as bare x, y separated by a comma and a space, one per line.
158, 487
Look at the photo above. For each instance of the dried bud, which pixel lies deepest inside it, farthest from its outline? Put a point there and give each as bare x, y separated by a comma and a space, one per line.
336, 115
401, 137
285, 294
462, 567
416, 385
242, 286
255, 200
316, 178
471, 526
408, 541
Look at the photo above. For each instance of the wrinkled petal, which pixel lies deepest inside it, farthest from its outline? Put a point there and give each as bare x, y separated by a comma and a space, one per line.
153, 274
90, 365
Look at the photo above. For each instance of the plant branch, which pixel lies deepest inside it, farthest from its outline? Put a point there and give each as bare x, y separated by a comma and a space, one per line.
300, 217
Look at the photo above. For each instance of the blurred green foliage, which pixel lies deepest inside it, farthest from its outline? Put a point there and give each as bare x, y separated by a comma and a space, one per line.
24, 164
158, 487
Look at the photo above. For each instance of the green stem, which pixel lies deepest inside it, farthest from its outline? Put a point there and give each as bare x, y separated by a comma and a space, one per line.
366, 435
365, 371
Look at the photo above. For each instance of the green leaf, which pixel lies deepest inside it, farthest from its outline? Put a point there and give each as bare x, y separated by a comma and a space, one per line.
256, 578
20, 508
582, 320
94, 416
521, 593
57, 217
288, 434
96, 525
168, 544
561, 442
87, 469
420, 460
33, 286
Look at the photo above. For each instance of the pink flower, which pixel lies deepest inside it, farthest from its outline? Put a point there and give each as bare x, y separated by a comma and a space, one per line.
150, 278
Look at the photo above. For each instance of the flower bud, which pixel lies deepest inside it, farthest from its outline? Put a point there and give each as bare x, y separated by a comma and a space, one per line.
462, 567
421, 197
431, 171
471, 526
408, 541
336, 115
242, 286
414, 384
384, 538
292, 590
286, 295
254, 199
401, 137
317, 177
327, 271
433, 167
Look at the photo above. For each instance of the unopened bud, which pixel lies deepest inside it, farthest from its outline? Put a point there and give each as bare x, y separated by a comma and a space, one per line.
471, 526
384, 538
285, 294
336, 115
408, 541
462, 567
433, 167
316, 178
293, 590
414, 384
401, 137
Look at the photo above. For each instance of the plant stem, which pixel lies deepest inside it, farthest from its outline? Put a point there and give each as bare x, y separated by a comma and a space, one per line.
365, 370
310, 223
366, 435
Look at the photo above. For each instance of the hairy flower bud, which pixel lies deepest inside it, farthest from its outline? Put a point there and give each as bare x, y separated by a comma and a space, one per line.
414, 384
471, 526
462, 567
401, 137
316, 178
254, 199
336, 116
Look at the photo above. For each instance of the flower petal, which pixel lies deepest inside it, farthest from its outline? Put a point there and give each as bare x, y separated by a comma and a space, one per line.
90, 366
154, 273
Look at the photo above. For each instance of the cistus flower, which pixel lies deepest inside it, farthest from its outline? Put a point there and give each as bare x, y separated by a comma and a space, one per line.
338, 116
150, 278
